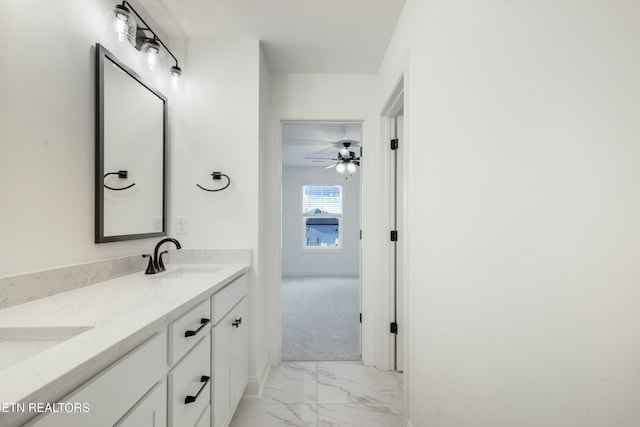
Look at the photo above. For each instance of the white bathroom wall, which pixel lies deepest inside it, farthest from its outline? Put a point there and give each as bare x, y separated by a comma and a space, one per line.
322, 96
216, 129
297, 261
47, 83
523, 211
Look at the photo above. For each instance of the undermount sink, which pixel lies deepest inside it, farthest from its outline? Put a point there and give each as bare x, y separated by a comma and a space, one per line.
187, 273
20, 343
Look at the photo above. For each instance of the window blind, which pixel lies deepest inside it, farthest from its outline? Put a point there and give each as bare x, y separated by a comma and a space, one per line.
322, 199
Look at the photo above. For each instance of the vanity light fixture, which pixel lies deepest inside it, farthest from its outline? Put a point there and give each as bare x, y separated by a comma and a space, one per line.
124, 28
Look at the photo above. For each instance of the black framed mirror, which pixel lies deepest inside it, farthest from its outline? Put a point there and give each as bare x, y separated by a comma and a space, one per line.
131, 154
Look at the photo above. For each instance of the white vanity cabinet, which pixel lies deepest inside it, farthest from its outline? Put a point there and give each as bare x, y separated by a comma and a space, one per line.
192, 373
119, 391
229, 361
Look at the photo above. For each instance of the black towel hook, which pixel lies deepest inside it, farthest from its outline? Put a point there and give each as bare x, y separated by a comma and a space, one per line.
216, 176
121, 175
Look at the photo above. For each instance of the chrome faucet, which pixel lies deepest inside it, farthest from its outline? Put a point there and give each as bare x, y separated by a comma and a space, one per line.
157, 264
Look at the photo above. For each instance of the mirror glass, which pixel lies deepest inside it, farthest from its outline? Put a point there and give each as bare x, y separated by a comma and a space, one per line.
130, 153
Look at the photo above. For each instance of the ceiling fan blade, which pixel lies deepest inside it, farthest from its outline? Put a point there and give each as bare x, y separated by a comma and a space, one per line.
332, 166
306, 141
319, 158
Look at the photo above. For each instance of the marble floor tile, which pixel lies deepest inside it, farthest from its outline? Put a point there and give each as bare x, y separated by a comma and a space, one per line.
364, 390
250, 414
359, 415
288, 392
295, 371
349, 370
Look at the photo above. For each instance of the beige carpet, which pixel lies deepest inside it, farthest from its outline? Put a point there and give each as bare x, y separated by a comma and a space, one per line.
320, 318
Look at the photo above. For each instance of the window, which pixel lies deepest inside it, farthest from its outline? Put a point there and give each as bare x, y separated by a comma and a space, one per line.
321, 216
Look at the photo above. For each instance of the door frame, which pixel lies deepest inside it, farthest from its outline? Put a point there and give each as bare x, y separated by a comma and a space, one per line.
376, 341
275, 336
395, 216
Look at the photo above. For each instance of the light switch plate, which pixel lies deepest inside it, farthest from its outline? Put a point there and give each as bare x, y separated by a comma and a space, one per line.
181, 225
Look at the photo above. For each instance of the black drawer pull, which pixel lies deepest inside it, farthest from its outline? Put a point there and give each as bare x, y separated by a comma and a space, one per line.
236, 323
203, 322
190, 399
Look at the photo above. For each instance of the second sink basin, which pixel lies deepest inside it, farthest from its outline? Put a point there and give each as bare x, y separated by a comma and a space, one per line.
18, 344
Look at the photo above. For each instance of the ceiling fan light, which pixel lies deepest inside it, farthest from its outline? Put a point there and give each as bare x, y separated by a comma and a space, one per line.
344, 153
351, 167
341, 167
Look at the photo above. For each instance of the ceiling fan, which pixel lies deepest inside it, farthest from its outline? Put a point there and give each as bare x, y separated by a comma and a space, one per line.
346, 161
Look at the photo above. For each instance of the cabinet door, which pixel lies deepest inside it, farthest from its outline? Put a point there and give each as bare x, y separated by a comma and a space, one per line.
151, 411
221, 360
238, 347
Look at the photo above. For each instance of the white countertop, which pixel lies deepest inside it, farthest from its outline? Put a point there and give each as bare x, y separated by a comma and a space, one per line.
122, 313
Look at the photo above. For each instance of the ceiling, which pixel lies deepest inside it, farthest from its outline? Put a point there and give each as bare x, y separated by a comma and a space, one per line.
301, 140
298, 36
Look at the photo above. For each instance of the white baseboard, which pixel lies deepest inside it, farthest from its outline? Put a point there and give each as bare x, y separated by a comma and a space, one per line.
256, 384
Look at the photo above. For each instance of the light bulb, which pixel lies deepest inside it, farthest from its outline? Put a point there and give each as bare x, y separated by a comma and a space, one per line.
351, 167
175, 72
151, 48
344, 153
341, 167
152, 58
122, 26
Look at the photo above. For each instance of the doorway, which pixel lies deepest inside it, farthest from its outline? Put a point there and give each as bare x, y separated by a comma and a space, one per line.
393, 117
320, 283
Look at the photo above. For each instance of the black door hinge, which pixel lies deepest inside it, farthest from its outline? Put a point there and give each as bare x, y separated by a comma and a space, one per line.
394, 144
360, 317
360, 234
394, 235
394, 328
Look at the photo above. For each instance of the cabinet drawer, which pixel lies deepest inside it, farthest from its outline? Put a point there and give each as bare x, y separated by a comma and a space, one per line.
228, 297
187, 379
113, 392
186, 332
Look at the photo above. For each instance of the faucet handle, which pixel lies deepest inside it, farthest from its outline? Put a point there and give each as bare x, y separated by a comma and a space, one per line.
161, 266
150, 269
